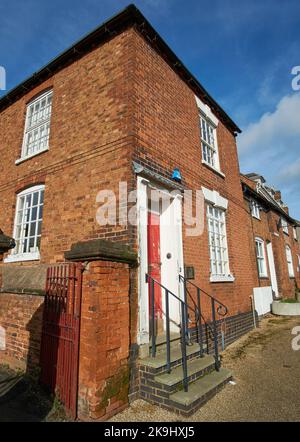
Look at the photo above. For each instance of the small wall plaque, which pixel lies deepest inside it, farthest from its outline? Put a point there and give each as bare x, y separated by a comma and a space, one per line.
189, 272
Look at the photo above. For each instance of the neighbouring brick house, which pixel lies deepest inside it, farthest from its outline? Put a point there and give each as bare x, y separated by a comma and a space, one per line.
273, 237
119, 107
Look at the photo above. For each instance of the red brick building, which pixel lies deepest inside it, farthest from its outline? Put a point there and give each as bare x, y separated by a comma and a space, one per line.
274, 242
119, 113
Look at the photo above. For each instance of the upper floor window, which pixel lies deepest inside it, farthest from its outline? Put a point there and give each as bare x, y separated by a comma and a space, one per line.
295, 233
285, 227
208, 128
261, 257
209, 143
37, 125
289, 261
28, 224
255, 209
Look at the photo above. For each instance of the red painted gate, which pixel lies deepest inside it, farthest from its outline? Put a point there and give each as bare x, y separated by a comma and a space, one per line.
60, 333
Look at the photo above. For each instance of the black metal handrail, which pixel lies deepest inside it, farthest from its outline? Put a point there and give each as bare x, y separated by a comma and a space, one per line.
183, 325
217, 307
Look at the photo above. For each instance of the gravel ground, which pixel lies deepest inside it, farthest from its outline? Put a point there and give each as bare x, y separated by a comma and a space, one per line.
267, 375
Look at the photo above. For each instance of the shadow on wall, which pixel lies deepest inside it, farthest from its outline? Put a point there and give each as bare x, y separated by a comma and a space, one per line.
22, 397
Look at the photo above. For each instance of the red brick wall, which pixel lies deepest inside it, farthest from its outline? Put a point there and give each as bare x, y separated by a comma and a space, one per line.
104, 341
90, 138
268, 228
21, 317
168, 136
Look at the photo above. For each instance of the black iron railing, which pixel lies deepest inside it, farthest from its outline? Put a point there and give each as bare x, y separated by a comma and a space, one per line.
184, 309
190, 313
211, 328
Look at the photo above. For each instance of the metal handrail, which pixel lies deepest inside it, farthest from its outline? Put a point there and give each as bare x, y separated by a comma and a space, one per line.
184, 309
221, 305
221, 309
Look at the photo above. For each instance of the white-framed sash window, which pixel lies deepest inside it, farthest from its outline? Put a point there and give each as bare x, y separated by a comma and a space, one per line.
37, 126
261, 257
289, 259
28, 225
255, 209
219, 265
285, 226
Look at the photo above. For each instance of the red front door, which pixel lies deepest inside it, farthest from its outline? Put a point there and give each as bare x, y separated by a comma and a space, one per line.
154, 262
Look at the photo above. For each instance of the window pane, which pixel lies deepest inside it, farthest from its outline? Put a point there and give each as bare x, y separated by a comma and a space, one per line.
217, 241
37, 125
28, 227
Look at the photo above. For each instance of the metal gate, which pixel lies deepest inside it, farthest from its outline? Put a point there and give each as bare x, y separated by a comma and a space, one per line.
60, 333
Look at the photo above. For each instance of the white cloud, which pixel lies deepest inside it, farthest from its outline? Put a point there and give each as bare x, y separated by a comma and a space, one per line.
274, 129
271, 147
290, 172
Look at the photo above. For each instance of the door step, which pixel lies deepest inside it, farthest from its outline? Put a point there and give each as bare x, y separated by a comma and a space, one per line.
166, 389
199, 392
196, 368
187, 403
159, 363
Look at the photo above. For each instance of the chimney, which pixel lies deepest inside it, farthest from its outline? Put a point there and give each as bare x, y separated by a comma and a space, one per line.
277, 195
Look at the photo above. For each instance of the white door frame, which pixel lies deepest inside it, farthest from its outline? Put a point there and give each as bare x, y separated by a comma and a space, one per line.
272, 268
142, 220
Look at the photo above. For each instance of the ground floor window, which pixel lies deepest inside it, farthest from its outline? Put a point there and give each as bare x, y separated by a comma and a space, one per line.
28, 223
261, 257
289, 261
218, 249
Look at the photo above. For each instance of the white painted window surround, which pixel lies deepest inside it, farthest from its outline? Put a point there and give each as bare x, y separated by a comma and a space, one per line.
261, 257
295, 233
37, 126
289, 259
28, 225
217, 236
255, 209
285, 226
209, 142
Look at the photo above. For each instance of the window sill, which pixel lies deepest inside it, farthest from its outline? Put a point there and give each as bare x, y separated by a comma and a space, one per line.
21, 160
263, 277
256, 217
24, 257
209, 166
286, 233
221, 278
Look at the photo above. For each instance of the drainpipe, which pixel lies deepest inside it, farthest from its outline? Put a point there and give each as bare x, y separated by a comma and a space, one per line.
253, 310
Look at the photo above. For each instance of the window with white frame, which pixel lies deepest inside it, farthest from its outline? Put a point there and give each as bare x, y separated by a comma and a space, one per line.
261, 257
298, 263
284, 225
295, 233
219, 265
209, 143
37, 125
289, 261
28, 224
255, 209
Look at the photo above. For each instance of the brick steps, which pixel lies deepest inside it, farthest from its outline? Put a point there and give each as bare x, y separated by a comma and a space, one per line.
195, 368
200, 391
159, 362
166, 389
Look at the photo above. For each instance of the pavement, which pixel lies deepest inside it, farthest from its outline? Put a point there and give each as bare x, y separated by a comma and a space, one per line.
266, 375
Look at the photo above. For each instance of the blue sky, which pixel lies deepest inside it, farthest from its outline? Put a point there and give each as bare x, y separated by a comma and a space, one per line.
242, 51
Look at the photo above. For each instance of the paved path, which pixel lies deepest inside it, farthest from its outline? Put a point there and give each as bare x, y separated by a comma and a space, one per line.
267, 375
